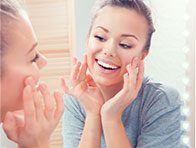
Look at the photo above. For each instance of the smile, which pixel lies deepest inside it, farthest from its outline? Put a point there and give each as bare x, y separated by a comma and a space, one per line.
106, 65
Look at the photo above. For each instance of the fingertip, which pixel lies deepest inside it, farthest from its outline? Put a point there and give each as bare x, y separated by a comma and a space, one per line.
30, 81
128, 67
78, 63
126, 76
135, 62
57, 93
61, 78
74, 60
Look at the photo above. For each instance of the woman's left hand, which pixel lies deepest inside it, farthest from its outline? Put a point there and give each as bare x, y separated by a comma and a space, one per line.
112, 109
33, 126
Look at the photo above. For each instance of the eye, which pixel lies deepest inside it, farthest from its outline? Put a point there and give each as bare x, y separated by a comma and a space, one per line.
100, 38
35, 58
125, 46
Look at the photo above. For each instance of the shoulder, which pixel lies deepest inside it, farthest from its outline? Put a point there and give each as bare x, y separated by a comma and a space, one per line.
73, 106
152, 91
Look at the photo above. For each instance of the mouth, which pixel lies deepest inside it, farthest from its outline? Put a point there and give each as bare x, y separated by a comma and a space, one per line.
106, 65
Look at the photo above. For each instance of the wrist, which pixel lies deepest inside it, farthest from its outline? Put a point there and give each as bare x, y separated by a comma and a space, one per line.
110, 118
108, 121
96, 117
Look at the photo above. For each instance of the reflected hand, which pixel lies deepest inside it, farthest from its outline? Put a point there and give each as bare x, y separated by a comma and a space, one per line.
112, 109
83, 88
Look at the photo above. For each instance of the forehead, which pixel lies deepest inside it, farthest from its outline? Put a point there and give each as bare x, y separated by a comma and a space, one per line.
19, 34
121, 20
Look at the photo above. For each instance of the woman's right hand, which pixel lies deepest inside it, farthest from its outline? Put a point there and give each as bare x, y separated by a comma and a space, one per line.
82, 88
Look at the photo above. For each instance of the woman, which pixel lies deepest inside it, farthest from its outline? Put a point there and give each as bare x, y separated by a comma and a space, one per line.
117, 107
26, 120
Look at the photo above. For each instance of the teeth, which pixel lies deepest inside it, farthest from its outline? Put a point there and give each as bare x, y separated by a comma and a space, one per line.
106, 65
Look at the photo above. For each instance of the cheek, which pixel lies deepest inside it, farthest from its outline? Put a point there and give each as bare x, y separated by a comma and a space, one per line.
14, 83
94, 46
127, 57
92, 49
12, 86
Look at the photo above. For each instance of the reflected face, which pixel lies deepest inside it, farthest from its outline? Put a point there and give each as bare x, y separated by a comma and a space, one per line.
21, 59
117, 36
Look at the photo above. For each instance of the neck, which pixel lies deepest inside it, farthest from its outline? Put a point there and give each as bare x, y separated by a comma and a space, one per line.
110, 91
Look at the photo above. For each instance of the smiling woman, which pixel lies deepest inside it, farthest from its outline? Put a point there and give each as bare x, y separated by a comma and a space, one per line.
115, 99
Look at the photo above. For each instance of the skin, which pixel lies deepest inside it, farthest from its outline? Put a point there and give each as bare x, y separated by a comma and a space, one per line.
118, 41
26, 120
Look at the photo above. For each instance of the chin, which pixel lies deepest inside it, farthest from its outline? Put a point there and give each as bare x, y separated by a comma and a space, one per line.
107, 81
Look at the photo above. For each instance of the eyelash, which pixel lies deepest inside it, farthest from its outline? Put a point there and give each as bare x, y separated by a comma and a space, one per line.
35, 58
100, 38
125, 46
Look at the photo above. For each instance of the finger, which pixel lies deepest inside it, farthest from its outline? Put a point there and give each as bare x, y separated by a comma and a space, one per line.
90, 80
64, 85
134, 62
48, 101
132, 70
75, 70
140, 75
38, 106
59, 105
19, 117
74, 60
80, 88
83, 69
29, 108
131, 76
30, 81
10, 127
126, 81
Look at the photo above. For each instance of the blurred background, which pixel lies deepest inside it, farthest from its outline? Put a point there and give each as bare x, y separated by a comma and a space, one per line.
62, 25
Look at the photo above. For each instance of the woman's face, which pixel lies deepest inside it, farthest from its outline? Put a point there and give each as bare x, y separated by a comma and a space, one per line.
20, 60
117, 36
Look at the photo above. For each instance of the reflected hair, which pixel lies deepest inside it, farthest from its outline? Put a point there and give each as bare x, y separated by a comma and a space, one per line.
138, 5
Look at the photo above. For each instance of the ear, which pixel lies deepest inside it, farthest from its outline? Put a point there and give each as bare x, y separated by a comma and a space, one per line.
144, 54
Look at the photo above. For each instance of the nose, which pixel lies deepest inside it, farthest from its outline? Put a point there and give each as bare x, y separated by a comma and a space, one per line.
42, 62
110, 49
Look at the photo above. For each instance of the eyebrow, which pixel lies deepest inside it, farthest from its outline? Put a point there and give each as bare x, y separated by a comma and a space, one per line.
130, 35
123, 35
32, 48
103, 28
